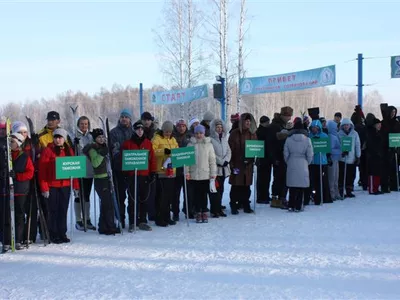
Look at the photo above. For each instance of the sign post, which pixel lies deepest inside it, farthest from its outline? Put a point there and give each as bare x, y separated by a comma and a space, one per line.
254, 149
69, 167
182, 157
394, 142
134, 160
321, 146
346, 146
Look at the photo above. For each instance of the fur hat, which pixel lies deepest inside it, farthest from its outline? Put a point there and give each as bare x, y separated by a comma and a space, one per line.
18, 126
167, 126
19, 138
97, 132
287, 111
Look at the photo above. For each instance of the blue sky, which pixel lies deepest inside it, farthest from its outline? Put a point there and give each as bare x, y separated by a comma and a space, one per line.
49, 47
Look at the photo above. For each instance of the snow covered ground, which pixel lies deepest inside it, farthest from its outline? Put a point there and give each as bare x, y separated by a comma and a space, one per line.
345, 250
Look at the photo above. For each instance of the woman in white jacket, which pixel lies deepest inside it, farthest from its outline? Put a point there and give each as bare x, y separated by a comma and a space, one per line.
201, 172
223, 154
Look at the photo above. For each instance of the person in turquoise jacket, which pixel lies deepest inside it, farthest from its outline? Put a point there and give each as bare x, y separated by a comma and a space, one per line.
315, 183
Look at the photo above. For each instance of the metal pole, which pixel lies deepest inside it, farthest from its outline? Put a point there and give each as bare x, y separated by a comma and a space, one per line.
135, 202
185, 195
397, 169
360, 79
344, 177
95, 206
320, 178
223, 101
141, 97
71, 208
254, 183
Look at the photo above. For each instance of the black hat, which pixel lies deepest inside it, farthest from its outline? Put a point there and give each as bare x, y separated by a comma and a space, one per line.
314, 113
138, 124
147, 116
338, 114
376, 121
264, 119
53, 115
97, 132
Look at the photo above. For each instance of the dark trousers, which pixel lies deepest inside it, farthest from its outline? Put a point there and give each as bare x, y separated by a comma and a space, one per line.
315, 186
179, 185
58, 203
202, 188
151, 201
85, 189
240, 194
164, 193
296, 197
279, 184
121, 193
5, 229
107, 213
216, 198
263, 181
142, 196
363, 169
350, 177
20, 205
31, 210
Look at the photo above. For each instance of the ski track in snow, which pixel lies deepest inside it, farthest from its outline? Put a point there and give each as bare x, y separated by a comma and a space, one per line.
346, 250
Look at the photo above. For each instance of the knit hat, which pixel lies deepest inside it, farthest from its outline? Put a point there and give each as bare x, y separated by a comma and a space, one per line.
200, 128
138, 124
235, 117
298, 123
208, 116
181, 122
126, 113
97, 132
193, 120
18, 126
147, 116
287, 111
167, 126
264, 119
19, 138
53, 115
61, 132
338, 114
218, 122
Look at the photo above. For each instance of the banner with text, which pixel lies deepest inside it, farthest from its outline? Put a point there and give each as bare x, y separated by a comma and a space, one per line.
184, 156
395, 66
135, 159
289, 81
254, 149
70, 166
180, 96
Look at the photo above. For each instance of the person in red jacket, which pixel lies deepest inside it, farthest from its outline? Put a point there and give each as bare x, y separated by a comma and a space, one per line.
56, 191
144, 177
21, 173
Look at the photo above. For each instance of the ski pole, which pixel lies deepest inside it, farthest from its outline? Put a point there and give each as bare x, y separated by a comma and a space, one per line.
320, 178
186, 195
95, 205
29, 221
397, 169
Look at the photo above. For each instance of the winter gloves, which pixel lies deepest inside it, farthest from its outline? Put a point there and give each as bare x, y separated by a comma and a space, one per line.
345, 153
167, 151
46, 194
213, 188
225, 163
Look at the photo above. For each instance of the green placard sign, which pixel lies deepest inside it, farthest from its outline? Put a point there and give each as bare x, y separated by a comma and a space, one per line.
185, 156
322, 145
394, 140
70, 166
347, 144
135, 160
254, 149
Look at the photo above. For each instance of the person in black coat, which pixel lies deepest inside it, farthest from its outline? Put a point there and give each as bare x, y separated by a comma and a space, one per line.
264, 165
358, 120
374, 153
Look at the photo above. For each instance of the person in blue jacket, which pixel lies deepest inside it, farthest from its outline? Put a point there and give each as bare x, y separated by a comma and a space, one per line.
336, 152
324, 159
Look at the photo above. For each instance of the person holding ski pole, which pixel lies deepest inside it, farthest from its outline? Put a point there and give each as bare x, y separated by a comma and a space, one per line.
56, 192
145, 178
83, 138
22, 173
97, 152
5, 229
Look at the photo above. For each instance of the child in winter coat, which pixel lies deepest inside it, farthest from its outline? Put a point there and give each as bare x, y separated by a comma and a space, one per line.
298, 154
333, 170
97, 153
350, 159
21, 173
56, 191
202, 172
145, 179
315, 173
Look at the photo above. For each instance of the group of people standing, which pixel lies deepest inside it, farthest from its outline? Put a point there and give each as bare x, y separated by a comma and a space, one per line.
289, 156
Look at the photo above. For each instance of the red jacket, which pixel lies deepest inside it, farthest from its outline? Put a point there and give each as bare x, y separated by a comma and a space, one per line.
132, 144
47, 169
29, 170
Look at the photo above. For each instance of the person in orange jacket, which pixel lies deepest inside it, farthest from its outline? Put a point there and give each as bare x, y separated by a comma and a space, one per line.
145, 178
56, 191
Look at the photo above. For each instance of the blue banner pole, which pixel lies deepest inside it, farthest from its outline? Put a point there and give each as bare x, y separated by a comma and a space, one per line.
360, 79
223, 104
141, 98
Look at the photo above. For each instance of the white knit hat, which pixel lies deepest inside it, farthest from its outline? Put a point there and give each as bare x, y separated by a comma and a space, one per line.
192, 121
19, 138
18, 126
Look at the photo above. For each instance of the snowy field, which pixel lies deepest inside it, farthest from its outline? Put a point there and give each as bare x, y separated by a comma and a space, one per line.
345, 250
